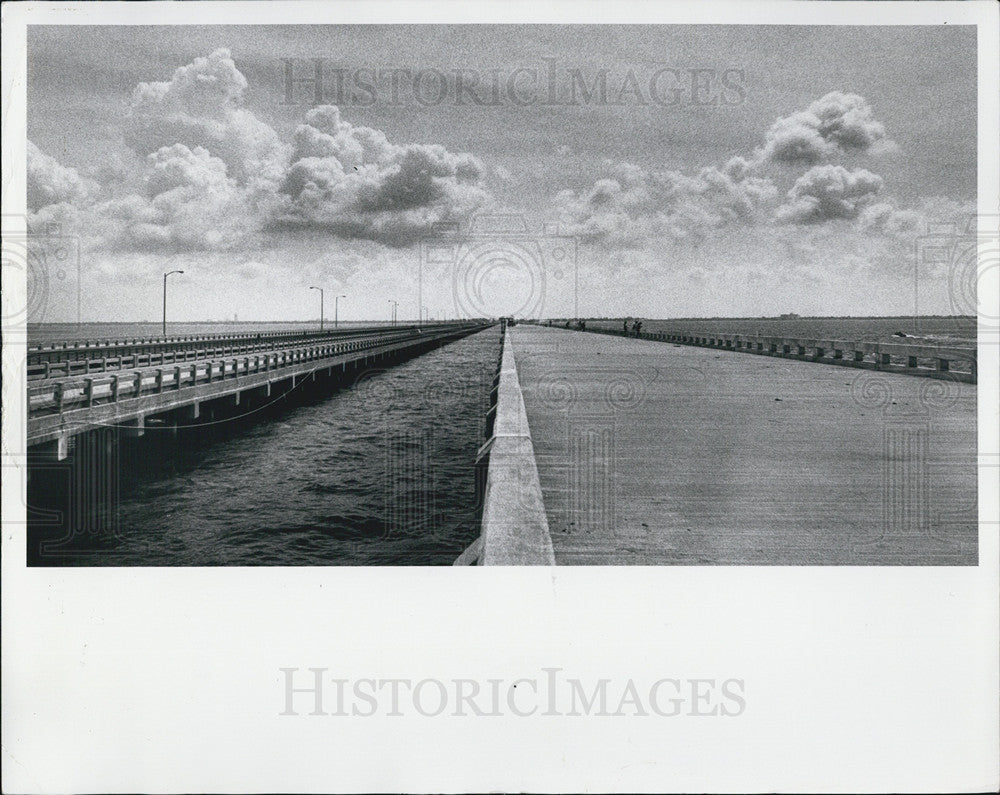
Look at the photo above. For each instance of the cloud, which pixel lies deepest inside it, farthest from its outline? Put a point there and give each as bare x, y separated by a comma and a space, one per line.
829, 192
201, 106
189, 203
893, 233
886, 219
110, 172
215, 174
837, 122
352, 182
49, 183
632, 206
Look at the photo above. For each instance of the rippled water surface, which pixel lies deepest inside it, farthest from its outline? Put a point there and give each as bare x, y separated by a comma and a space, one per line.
380, 472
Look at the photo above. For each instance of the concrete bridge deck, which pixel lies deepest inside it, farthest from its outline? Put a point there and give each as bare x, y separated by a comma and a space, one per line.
653, 453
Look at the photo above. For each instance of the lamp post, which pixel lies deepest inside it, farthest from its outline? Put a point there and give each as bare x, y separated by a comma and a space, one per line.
394, 305
320, 306
336, 309
424, 309
165, 275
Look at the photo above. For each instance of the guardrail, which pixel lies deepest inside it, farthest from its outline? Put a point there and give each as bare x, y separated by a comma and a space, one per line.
515, 528
84, 344
952, 362
183, 352
58, 395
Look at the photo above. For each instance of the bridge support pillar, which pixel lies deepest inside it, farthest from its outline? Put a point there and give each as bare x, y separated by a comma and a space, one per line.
193, 411
55, 450
62, 447
136, 428
236, 398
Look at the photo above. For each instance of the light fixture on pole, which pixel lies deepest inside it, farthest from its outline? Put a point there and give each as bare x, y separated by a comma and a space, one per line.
394, 305
336, 309
165, 275
320, 306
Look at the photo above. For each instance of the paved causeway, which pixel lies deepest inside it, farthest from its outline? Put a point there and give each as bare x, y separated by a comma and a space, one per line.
654, 453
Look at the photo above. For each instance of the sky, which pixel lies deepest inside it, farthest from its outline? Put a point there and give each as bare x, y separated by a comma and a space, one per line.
545, 171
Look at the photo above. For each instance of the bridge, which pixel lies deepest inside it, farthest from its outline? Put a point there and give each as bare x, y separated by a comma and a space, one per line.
74, 387
726, 449
604, 449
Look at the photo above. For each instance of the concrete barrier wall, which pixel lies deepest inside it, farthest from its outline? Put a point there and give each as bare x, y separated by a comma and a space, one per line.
515, 529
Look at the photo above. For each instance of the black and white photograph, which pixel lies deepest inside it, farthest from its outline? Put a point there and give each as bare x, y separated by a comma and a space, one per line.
606, 318
370, 298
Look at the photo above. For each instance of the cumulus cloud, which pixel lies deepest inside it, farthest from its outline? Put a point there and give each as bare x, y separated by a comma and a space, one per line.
215, 173
837, 122
202, 106
829, 192
893, 231
632, 205
189, 203
351, 181
50, 183
885, 218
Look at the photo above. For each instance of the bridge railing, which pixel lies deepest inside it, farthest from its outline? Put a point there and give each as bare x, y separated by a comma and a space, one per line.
58, 395
95, 349
184, 352
958, 362
104, 342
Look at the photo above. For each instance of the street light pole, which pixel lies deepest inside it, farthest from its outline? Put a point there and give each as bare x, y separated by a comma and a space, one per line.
336, 309
394, 305
165, 275
320, 306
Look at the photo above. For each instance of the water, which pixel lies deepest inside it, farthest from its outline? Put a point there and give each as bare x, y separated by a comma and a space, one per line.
381, 472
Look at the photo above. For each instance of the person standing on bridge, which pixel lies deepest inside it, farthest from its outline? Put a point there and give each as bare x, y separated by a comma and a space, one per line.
625, 328
638, 328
